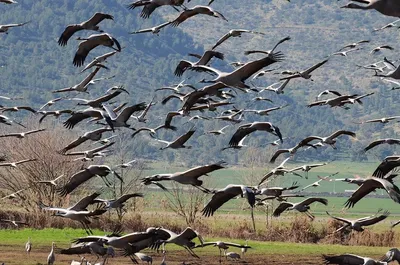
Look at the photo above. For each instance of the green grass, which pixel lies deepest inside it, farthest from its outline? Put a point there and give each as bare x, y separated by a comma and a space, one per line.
43, 237
62, 238
221, 178
237, 175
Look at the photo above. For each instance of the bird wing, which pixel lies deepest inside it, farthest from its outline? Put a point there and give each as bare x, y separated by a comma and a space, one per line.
360, 193
203, 170
277, 154
184, 138
128, 111
205, 244
339, 219
104, 98
126, 197
290, 77
386, 166
142, 31
221, 40
168, 119
80, 116
193, 97
183, 16
267, 176
208, 55
373, 144
135, 237
168, 98
14, 25
98, 17
84, 202
314, 67
219, 198
141, 129
98, 149
76, 250
83, 50
188, 234
10, 135
76, 180
205, 68
49, 208
311, 200
67, 34
89, 78
308, 186
313, 104
34, 131
374, 219
340, 132
148, 9
74, 144
240, 133
388, 257
25, 161
253, 67
346, 259
181, 67
281, 208
235, 245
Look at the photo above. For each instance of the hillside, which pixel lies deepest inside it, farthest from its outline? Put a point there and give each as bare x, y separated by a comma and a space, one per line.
33, 65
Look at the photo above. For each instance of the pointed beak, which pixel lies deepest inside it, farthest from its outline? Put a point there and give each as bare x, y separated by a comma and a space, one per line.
126, 91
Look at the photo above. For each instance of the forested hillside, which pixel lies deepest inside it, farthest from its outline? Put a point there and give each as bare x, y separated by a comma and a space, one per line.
33, 64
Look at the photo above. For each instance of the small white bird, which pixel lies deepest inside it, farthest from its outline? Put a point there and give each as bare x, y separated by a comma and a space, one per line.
4, 28
28, 246
145, 258
127, 164
50, 182
380, 48
52, 257
232, 255
155, 30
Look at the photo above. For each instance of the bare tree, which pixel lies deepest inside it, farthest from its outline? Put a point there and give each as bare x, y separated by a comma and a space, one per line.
131, 173
49, 164
186, 201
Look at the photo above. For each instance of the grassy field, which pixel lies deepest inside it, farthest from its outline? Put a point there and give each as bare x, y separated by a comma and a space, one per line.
221, 178
14, 241
238, 175
63, 237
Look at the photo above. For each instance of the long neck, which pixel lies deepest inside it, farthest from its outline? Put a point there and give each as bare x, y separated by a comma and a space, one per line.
365, 7
163, 177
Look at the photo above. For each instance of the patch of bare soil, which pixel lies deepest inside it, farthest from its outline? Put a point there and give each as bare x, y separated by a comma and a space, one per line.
13, 256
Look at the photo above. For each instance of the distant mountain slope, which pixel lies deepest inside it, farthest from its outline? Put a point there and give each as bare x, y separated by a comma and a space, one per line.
34, 64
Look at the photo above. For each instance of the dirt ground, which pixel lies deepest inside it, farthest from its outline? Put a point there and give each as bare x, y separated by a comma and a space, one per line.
39, 256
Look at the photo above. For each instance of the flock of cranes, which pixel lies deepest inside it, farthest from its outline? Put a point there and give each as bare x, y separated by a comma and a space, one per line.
222, 90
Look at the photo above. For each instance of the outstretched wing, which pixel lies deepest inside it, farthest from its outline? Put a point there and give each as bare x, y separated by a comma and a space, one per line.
281, 208
374, 219
346, 259
362, 191
203, 170
67, 34
311, 200
85, 202
76, 180
184, 138
240, 133
219, 199
221, 40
